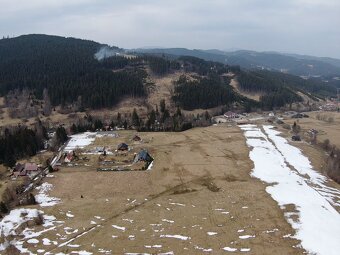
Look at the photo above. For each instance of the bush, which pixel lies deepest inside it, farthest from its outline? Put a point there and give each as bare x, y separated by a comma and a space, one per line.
12, 250
286, 126
325, 145
3, 208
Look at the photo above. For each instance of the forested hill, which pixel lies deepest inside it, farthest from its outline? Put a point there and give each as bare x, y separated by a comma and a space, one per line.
67, 72
66, 67
293, 64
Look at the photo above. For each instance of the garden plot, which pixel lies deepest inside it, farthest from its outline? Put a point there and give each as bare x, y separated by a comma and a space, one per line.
294, 182
108, 152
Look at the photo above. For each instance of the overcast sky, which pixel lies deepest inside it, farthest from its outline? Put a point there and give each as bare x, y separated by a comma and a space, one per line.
296, 26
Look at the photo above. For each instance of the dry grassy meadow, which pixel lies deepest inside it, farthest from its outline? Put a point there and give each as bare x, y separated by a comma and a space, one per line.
198, 198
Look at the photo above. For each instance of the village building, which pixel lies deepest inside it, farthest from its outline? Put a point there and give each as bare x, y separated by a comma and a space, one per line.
123, 147
144, 156
230, 115
99, 149
18, 167
136, 138
27, 169
219, 119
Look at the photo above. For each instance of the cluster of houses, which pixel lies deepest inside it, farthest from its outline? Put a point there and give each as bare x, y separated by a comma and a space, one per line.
140, 160
26, 169
332, 106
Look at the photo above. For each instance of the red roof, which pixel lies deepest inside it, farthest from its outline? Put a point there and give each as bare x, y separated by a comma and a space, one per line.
230, 114
31, 167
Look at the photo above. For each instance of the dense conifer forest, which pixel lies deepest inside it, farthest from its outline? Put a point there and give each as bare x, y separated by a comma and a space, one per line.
266, 81
66, 71
203, 93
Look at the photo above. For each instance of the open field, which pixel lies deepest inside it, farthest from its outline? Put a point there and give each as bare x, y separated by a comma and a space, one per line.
198, 197
327, 130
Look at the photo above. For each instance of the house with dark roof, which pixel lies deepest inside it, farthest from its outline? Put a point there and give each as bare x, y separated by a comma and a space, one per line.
123, 147
144, 156
136, 138
18, 167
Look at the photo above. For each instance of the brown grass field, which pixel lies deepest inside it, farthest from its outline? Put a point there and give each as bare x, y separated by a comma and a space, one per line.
200, 183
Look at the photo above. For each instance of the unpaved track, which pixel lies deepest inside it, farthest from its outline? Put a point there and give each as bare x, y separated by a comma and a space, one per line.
200, 183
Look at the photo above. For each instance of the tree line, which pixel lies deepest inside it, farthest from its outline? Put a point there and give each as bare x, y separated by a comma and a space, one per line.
20, 142
67, 69
206, 92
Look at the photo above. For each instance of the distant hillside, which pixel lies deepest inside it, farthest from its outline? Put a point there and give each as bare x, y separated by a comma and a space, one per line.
67, 68
82, 74
293, 64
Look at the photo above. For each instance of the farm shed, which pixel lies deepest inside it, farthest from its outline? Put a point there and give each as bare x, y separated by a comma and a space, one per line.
143, 155
25, 169
123, 147
136, 138
231, 115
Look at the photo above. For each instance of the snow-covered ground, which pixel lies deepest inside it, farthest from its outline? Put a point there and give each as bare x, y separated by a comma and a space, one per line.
80, 140
10, 226
43, 198
293, 181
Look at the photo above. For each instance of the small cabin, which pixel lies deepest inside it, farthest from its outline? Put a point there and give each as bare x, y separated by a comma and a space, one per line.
27, 169
123, 147
296, 138
231, 115
143, 155
136, 138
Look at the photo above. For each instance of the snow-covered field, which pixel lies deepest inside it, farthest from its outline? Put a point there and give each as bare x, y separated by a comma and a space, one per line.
43, 198
10, 226
80, 141
293, 181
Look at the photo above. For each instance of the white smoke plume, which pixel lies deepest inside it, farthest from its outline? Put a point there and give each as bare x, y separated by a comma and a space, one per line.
105, 52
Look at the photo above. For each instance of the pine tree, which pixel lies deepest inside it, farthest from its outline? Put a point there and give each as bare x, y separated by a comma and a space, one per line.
135, 118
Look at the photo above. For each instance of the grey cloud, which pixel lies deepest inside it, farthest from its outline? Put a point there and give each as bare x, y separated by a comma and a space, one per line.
300, 26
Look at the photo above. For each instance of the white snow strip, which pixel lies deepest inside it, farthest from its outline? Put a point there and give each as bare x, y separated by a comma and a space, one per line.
211, 233
203, 249
169, 221
293, 181
70, 215
14, 219
42, 198
119, 227
80, 141
33, 241
229, 249
78, 236
81, 252
177, 204
245, 249
73, 245
184, 238
246, 236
